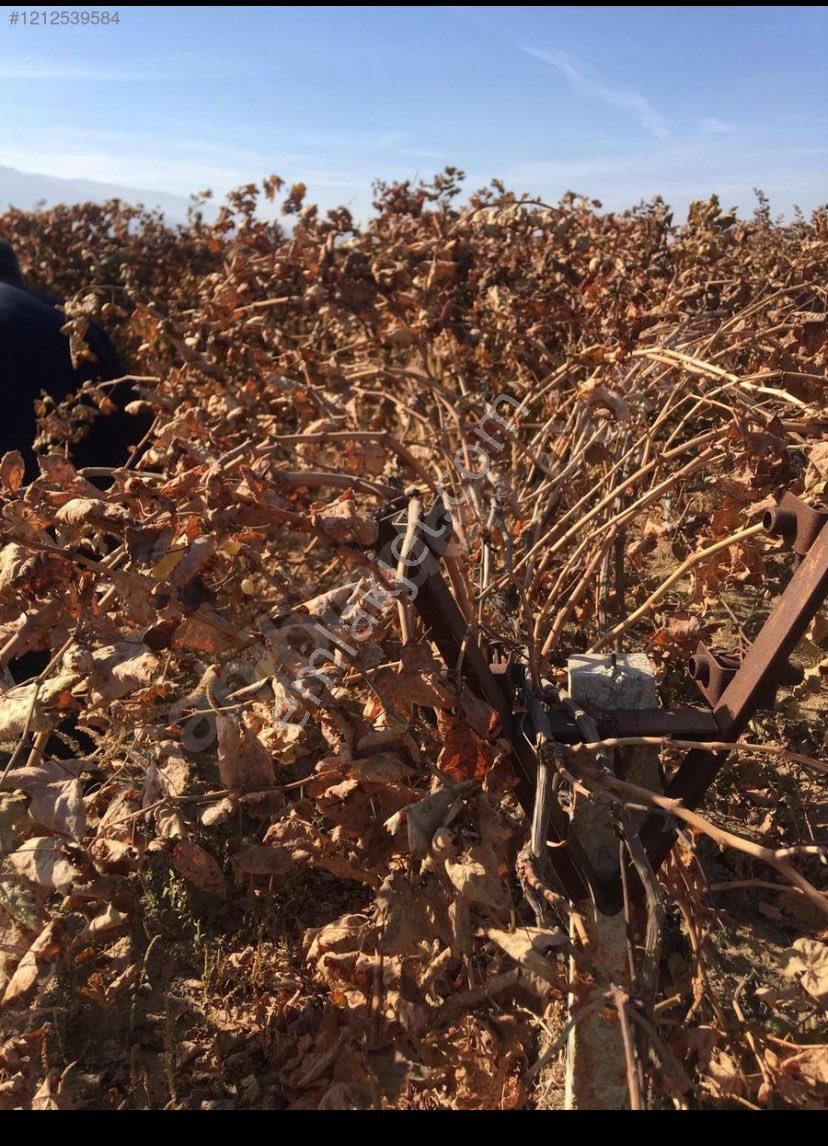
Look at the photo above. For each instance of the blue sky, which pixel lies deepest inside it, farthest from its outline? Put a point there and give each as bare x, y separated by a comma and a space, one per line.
615, 103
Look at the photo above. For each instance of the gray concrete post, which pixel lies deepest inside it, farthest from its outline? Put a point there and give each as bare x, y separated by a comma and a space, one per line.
596, 1077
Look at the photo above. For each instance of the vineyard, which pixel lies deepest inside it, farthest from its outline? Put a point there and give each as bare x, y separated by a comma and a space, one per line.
260, 846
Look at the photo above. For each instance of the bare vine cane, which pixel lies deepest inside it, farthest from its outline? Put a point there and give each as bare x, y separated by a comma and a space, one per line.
533, 867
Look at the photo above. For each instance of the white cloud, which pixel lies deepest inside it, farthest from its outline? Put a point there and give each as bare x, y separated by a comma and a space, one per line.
162, 65
21, 70
714, 126
589, 83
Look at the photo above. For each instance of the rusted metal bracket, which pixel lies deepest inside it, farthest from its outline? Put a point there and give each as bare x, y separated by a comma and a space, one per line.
713, 670
796, 522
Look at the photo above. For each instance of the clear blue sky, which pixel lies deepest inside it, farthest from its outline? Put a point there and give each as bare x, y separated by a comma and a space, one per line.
616, 103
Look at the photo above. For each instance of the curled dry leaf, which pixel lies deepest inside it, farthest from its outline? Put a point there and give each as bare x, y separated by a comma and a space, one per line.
205, 632
63, 479
412, 685
465, 756
531, 947
56, 796
15, 563
724, 1077
121, 669
59, 808
816, 479
348, 933
191, 563
426, 816
101, 515
682, 631
480, 716
37, 958
477, 879
245, 765
341, 521
198, 867
44, 861
45, 1097
308, 845
109, 920
807, 961
218, 814
382, 768
12, 470
30, 705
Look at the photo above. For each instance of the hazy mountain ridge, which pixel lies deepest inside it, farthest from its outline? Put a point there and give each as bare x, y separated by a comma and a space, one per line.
28, 190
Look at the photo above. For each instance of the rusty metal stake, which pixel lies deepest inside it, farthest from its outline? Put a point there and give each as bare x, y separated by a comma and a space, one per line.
448, 629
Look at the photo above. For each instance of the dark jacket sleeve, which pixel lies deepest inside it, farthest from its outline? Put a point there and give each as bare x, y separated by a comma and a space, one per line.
34, 357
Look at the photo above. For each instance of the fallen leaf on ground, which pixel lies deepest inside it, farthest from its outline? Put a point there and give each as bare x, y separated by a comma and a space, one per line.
807, 961
198, 867
245, 765
43, 861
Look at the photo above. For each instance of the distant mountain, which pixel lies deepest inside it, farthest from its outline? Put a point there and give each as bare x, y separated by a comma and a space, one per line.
27, 190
